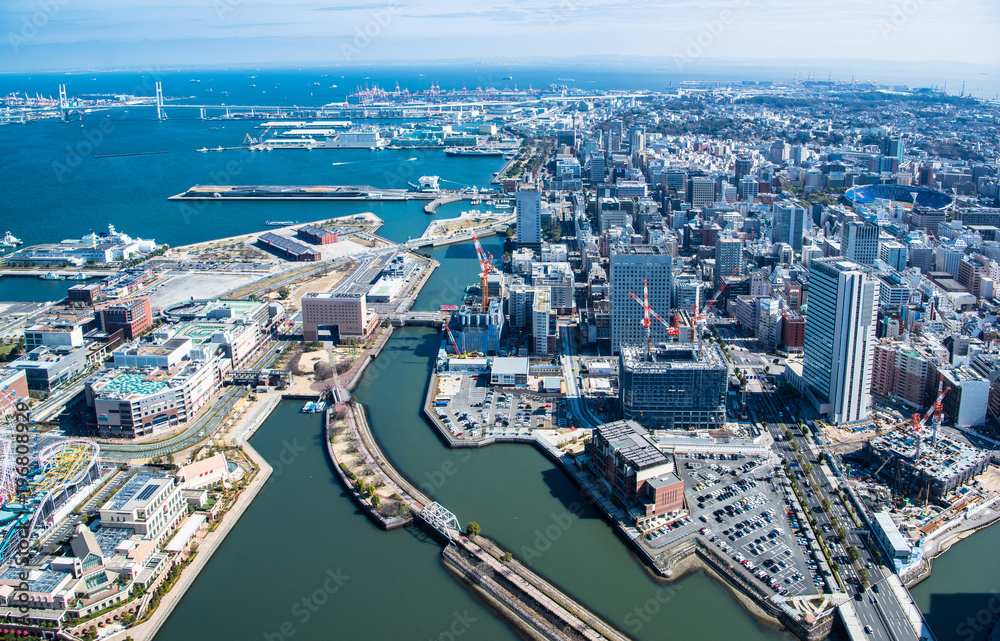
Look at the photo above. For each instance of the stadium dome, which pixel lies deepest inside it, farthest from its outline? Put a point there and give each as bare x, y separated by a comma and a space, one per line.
930, 198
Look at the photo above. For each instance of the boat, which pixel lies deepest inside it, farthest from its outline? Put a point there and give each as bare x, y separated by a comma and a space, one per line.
501, 206
278, 223
472, 151
449, 308
9, 240
52, 276
319, 407
219, 148
203, 149
308, 408
194, 80
78, 276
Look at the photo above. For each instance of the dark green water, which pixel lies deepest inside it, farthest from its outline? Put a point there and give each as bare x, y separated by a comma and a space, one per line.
961, 599
302, 524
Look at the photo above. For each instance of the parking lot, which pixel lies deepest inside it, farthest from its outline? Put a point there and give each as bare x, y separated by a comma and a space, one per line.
478, 411
741, 507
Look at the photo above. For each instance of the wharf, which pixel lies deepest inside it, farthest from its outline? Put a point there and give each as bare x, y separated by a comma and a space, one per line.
299, 192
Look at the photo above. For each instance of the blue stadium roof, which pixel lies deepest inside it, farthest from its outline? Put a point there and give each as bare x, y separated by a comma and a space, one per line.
930, 198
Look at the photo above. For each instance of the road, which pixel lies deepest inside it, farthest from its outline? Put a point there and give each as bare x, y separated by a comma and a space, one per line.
879, 610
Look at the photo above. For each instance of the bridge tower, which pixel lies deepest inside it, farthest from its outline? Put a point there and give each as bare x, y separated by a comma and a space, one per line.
159, 102
63, 104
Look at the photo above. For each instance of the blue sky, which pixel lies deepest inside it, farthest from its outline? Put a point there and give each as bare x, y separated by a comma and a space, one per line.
116, 33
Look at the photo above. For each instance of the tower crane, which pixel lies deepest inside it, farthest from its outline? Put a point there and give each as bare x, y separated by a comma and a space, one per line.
647, 312
485, 264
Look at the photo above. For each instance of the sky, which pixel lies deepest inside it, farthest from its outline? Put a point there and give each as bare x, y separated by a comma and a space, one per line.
75, 34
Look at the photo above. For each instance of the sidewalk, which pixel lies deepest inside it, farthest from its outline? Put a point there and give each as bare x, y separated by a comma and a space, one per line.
206, 548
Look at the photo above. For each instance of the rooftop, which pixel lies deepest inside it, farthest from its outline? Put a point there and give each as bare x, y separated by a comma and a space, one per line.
128, 384
632, 442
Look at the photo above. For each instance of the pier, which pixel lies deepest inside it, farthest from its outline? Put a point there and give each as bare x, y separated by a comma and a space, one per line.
298, 192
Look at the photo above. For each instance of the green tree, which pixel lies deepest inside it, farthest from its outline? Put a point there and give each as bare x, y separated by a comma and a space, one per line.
853, 554
359, 486
826, 504
841, 534
863, 575
807, 468
472, 530
376, 500
794, 446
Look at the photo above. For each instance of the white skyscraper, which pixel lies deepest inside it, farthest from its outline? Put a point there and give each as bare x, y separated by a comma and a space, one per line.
840, 338
529, 219
859, 242
788, 225
630, 266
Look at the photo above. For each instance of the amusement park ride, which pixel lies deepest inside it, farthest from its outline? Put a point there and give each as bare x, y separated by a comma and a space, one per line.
31, 493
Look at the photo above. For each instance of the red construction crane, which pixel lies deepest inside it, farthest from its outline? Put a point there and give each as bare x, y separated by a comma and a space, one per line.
919, 423
451, 338
485, 264
647, 311
725, 284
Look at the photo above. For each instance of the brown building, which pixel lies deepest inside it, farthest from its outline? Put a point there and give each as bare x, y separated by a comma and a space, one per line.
971, 272
793, 331
638, 476
87, 294
333, 315
13, 388
793, 294
899, 372
288, 248
317, 236
133, 317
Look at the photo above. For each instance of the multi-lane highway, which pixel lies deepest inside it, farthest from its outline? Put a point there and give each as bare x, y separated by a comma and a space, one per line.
881, 611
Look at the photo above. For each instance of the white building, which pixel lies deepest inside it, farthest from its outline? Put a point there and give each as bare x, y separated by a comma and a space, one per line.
840, 339
632, 267
150, 504
529, 218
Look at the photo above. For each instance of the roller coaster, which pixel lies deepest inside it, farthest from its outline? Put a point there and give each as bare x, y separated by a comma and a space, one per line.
30, 493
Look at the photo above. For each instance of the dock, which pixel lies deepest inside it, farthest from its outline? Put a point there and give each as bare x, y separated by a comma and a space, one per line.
300, 192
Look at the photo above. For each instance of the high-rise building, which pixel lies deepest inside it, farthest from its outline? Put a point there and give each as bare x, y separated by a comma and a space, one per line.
631, 266
840, 338
779, 152
747, 187
529, 219
893, 147
894, 253
728, 258
677, 387
789, 222
743, 168
132, 317
859, 241
701, 191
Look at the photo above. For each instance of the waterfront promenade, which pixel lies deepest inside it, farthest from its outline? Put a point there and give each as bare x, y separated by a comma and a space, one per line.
207, 546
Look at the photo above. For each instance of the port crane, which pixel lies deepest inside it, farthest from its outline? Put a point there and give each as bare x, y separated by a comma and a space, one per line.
647, 312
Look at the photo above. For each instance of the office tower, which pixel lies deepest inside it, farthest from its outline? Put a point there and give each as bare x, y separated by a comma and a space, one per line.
701, 191
680, 385
747, 188
859, 242
788, 225
676, 178
529, 219
796, 154
894, 253
893, 147
840, 339
779, 152
743, 168
631, 265
728, 258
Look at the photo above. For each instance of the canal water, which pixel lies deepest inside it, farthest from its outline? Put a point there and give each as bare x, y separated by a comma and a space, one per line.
303, 524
